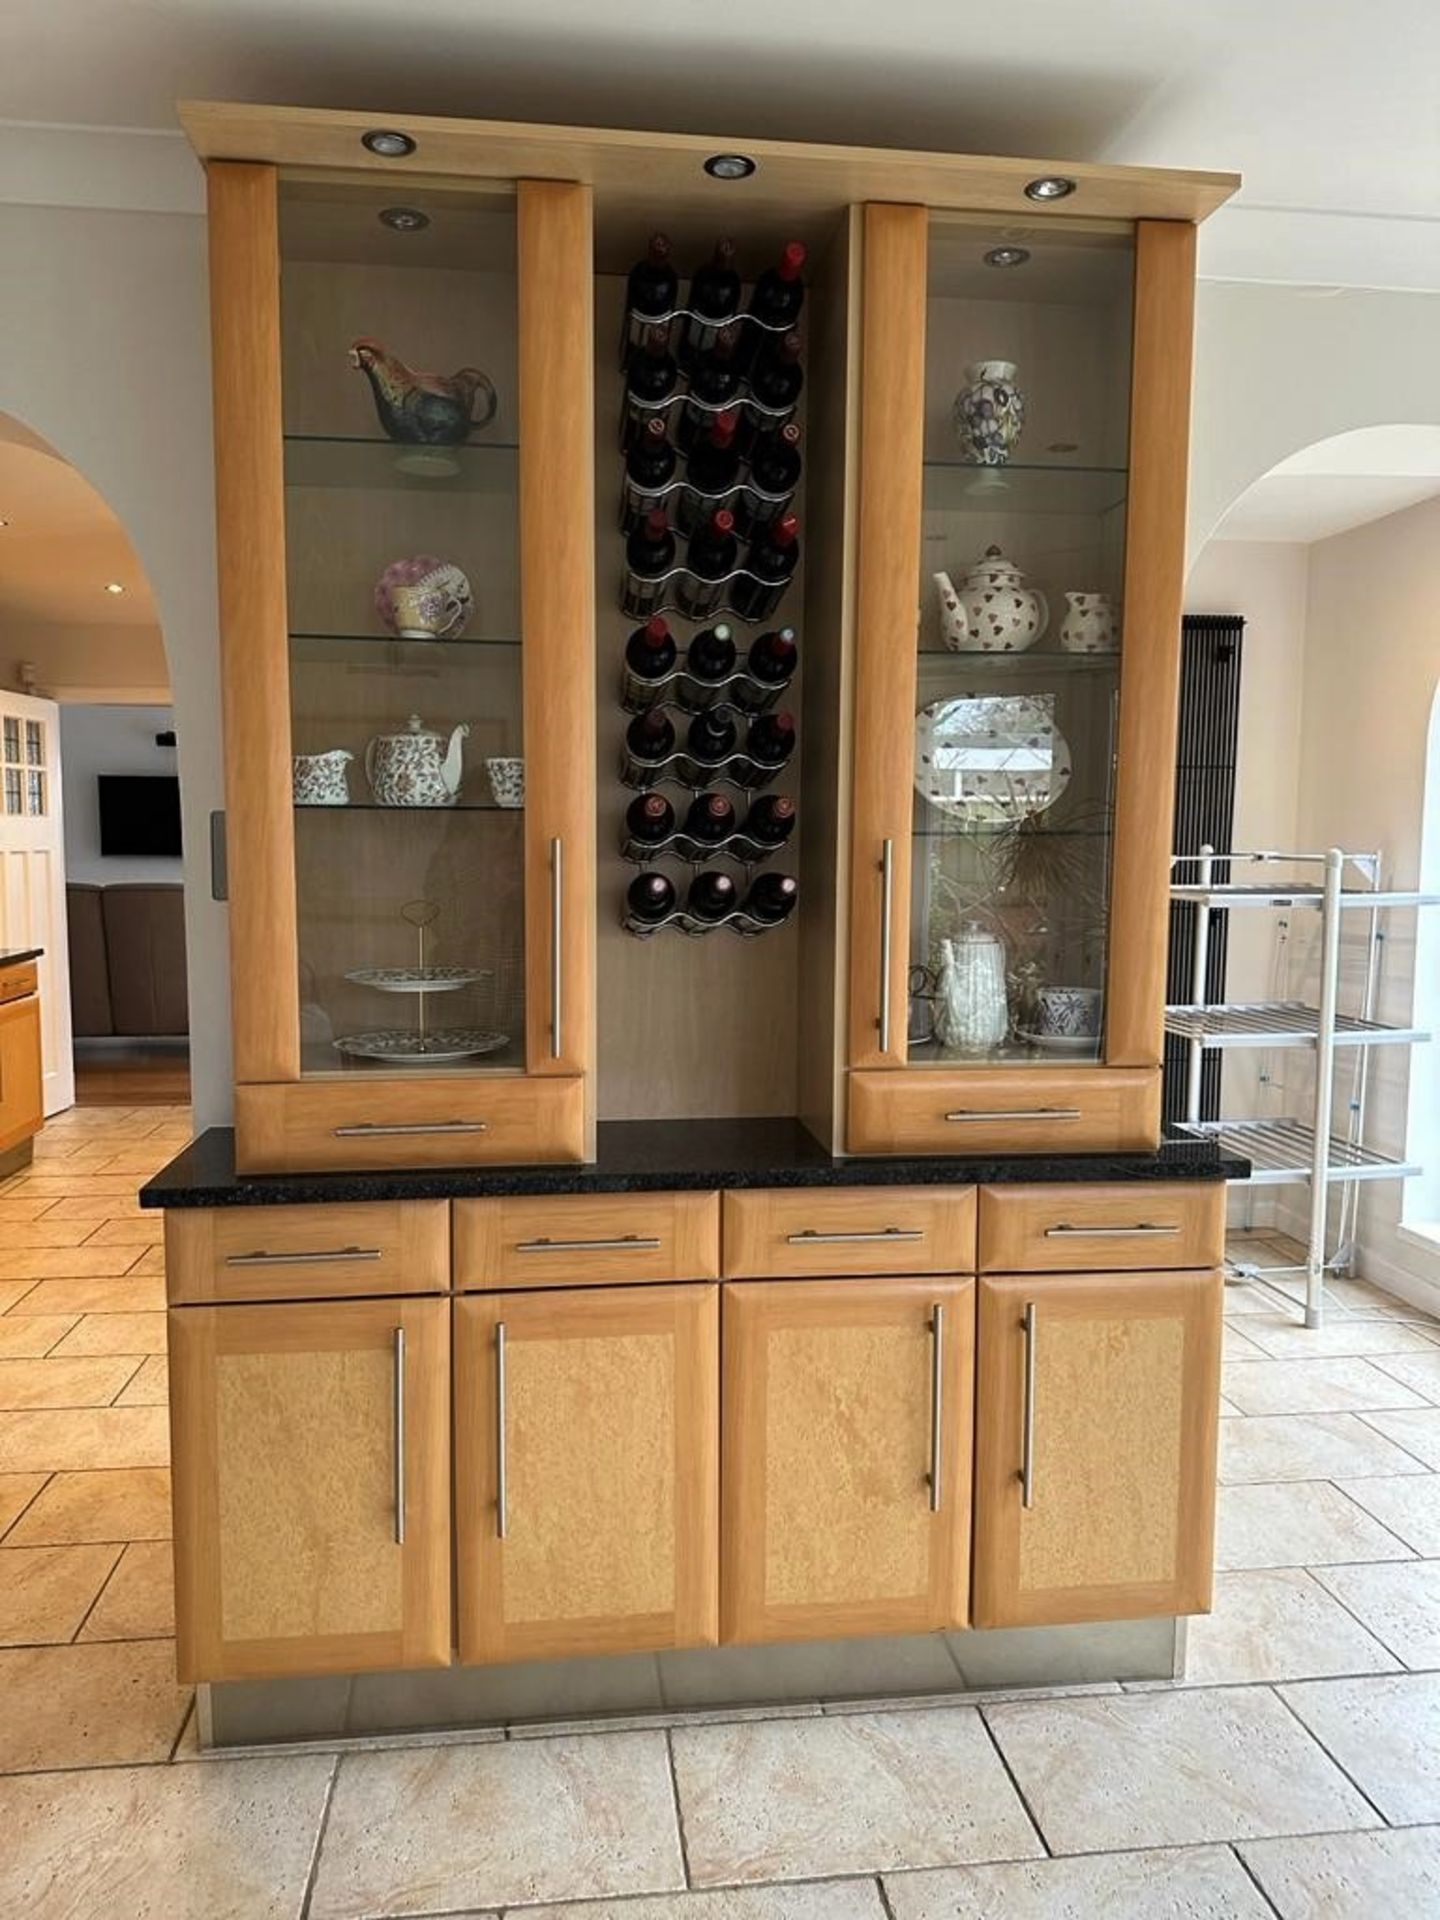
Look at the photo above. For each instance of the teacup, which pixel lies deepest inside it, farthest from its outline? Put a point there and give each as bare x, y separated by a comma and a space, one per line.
1069, 1013
507, 781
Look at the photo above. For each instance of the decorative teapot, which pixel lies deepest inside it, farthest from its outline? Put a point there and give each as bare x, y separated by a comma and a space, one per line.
992, 610
416, 768
972, 1011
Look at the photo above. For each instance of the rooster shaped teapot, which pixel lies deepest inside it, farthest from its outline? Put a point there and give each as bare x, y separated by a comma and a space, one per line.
424, 409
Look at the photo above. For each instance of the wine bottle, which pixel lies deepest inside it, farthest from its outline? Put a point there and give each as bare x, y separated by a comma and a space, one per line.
649, 819
779, 293
652, 288
650, 555
770, 739
649, 899
714, 463
710, 657
772, 898
710, 559
771, 819
775, 460
772, 558
650, 379
712, 737
714, 383
649, 743
714, 298
777, 376
770, 663
710, 818
650, 656
649, 469
712, 895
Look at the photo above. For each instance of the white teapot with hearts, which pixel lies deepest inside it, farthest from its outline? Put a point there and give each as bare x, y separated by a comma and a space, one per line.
992, 610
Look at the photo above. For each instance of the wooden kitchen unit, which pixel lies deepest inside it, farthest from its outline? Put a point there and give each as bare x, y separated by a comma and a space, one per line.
697, 1196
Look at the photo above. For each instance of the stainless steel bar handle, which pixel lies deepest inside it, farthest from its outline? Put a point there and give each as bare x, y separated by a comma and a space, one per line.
363, 1128
1027, 1444
399, 1436
502, 1515
937, 1402
1144, 1230
1015, 1113
810, 1237
630, 1242
557, 915
319, 1258
887, 915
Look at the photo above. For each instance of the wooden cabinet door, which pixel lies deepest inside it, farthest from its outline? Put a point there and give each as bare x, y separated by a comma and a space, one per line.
586, 1443
311, 1487
20, 1072
1106, 1388
842, 1398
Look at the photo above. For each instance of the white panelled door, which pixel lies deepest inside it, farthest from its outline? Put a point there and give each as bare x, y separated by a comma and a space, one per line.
32, 873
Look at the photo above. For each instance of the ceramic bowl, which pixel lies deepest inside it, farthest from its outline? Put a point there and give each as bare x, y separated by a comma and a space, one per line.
507, 781
1068, 1013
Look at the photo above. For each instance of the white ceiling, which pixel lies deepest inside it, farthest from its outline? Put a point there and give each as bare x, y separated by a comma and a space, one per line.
61, 545
1337, 484
1328, 107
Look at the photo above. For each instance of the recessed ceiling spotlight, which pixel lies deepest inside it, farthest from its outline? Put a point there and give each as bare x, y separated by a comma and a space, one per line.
113, 586
389, 144
1007, 256
1050, 186
4, 523
404, 219
730, 166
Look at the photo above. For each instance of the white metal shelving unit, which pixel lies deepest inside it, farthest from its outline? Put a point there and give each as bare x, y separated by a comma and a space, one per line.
1286, 1151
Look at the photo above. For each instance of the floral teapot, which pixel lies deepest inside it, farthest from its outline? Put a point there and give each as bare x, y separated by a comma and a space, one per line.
992, 610
416, 768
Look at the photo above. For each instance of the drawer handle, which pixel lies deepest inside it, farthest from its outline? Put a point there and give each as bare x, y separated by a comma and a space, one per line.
399, 1436
1145, 1230
937, 1400
502, 1503
322, 1257
1015, 1113
376, 1127
810, 1237
633, 1242
1027, 1439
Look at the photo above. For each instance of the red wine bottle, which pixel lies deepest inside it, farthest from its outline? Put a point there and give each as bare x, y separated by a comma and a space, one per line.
715, 377
710, 657
652, 288
779, 293
649, 819
775, 460
772, 897
777, 376
650, 656
649, 742
650, 379
771, 819
649, 899
770, 663
712, 895
714, 463
650, 463
650, 555
770, 740
712, 736
714, 298
710, 558
773, 556
710, 818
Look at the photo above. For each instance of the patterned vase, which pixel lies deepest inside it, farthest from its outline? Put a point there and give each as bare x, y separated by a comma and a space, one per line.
989, 412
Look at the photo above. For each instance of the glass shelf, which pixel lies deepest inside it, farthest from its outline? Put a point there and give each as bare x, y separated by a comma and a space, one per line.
1042, 659
374, 806
962, 486
939, 827
350, 460
397, 640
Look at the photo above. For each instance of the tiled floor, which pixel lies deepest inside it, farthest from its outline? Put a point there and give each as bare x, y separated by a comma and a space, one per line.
1295, 1772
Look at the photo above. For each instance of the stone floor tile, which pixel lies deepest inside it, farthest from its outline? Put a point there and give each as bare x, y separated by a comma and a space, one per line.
1408, 1504
1385, 1732
1313, 1386
785, 1800
1299, 1523
150, 1387
1172, 1769
65, 1263
1236, 1346
1310, 1446
228, 1841
801, 1900
1350, 1876
114, 1503
1399, 1603
1418, 1371
109, 1703
80, 1437
129, 1293
1359, 1297
1281, 1337
1277, 1624
138, 1600
17, 1492
1417, 1429
434, 1829
64, 1381
1190, 1883
1228, 1411
46, 1592
133, 1333
1243, 1298
12, 1292
30, 1336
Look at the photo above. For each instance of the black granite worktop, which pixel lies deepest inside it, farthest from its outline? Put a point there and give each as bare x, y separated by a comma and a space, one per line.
656, 1156
14, 956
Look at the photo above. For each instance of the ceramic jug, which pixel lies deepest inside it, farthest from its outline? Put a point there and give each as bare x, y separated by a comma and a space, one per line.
1090, 624
994, 611
989, 412
318, 779
416, 768
972, 1013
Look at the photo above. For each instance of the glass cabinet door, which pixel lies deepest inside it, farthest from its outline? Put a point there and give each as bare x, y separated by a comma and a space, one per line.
399, 351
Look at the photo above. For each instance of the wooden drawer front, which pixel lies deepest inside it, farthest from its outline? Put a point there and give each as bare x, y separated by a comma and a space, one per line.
1008, 1110
307, 1126
1128, 1227
586, 1239
16, 982
843, 1231
306, 1253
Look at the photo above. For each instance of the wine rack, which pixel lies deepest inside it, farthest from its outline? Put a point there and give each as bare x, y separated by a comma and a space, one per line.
682, 768
691, 924
642, 595
752, 506
669, 691
741, 847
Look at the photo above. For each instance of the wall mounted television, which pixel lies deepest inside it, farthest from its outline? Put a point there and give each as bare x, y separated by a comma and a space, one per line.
139, 815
